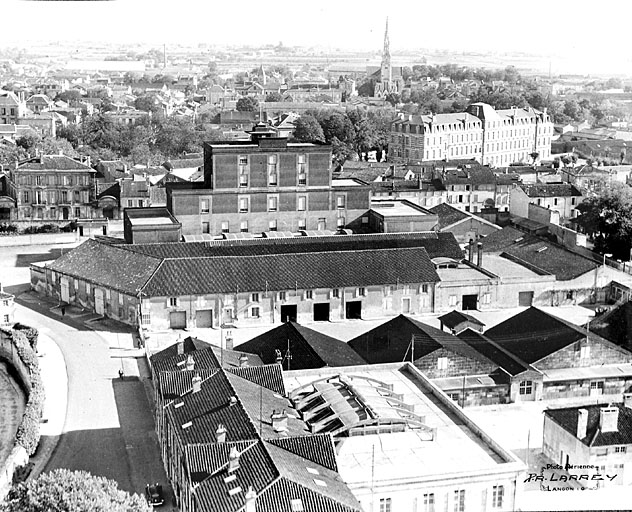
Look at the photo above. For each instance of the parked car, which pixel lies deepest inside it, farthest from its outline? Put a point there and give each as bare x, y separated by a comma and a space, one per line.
153, 493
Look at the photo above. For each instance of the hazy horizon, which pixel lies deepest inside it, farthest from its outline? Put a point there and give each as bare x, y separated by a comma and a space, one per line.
579, 40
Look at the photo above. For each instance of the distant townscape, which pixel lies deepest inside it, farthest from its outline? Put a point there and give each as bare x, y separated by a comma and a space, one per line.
278, 280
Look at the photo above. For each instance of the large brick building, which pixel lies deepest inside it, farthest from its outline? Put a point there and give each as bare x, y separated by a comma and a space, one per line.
494, 137
266, 184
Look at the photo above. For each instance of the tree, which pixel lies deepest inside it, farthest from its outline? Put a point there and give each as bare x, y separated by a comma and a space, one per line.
274, 97
608, 218
62, 490
71, 96
307, 129
247, 104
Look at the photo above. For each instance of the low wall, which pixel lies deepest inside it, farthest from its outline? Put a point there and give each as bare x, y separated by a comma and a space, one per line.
39, 239
18, 456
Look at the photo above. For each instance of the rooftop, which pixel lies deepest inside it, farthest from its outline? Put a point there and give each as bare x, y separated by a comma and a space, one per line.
395, 208
449, 443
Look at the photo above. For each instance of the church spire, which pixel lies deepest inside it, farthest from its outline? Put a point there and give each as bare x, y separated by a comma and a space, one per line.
386, 73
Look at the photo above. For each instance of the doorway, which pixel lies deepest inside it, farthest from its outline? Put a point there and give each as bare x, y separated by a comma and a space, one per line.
470, 302
288, 313
321, 312
65, 213
406, 305
178, 320
204, 318
99, 303
525, 299
353, 310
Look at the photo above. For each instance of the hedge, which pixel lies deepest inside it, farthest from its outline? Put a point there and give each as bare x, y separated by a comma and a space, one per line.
28, 434
30, 333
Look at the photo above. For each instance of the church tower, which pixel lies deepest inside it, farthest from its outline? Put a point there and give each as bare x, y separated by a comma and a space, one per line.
386, 74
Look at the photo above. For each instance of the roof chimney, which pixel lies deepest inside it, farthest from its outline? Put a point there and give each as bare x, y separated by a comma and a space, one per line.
278, 356
609, 419
180, 347
197, 383
479, 254
627, 400
190, 363
279, 421
228, 340
233, 459
220, 434
243, 360
582, 423
233, 400
251, 498
470, 252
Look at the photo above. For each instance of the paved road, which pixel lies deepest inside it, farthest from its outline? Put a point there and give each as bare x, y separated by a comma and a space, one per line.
109, 428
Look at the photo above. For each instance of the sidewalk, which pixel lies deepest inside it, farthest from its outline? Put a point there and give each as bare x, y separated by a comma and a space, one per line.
55, 380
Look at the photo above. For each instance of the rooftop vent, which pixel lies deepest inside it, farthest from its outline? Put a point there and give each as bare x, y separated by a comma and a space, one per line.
541, 249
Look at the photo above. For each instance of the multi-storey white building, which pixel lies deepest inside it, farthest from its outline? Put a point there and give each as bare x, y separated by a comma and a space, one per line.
492, 137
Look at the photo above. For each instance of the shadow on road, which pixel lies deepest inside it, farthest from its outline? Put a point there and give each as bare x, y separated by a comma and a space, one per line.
139, 434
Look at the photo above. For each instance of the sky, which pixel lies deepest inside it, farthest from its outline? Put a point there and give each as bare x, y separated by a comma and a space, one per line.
581, 30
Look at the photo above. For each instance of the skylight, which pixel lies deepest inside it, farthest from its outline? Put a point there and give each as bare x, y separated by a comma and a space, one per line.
234, 491
313, 471
297, 505
322, 483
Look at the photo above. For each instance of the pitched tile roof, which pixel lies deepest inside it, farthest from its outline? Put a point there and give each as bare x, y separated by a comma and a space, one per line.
270, 376
107, 265
494, 352
176, 383
454, 318
533, 334
447, 215
198, 276
54, 163
318, 448
436, 244
308, 348
539, 253
551, 190
567, 418
390, 342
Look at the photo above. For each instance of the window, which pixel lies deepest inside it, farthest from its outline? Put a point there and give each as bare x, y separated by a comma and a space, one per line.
429, 501
272, 178
282, 295
442, 363
309, 294
340, 201
385, 505
206, 227
130, 202
225, 226
272, 225
487, 298
424, 288
254, 297
6, 319
77, 212
340, 222
555, 201
620, 449
243, 171
5, 302
204, 206
88, 289
173, 302
302, 203
145, 319
243, 226
302, 224
243, 205
272, 204
322, 224
388, 291
459, 500
39, 180
25, 196
452, 300
526, 387
297, 505
497, 496
584, 352
76, 196
362, 292
335, 293
254, 312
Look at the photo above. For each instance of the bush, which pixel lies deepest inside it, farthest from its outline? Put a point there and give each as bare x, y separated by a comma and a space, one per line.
69, 228
8, 229
28, 434
44, 228
30, 332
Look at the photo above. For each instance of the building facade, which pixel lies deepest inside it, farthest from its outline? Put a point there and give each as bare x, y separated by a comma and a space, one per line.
264, 185
52, 188
492, 137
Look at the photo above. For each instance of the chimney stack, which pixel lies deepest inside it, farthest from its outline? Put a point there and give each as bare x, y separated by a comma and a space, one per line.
228, 340
243, 360
197, 383
609, 419
279, 357
479, 257
180, 344
627, 400
279, 421
233, 460
582, 423
190, 363
220, 434
251, 498
470, 252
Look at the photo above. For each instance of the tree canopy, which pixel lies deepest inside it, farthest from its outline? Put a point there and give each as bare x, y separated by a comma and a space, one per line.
63, 490
247, 104
307, 129
608, 217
